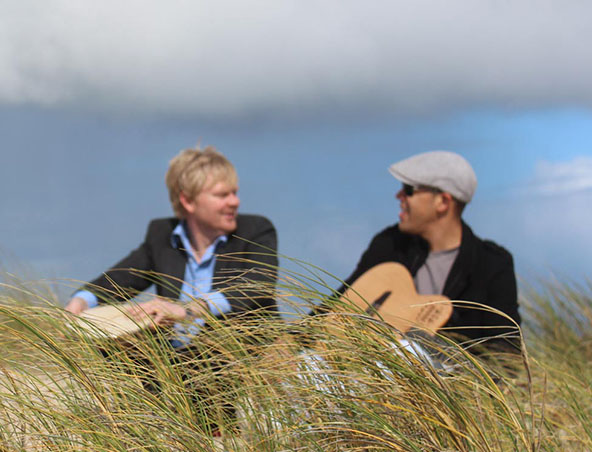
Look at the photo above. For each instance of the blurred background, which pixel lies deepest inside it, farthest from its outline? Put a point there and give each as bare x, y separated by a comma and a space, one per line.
311, 101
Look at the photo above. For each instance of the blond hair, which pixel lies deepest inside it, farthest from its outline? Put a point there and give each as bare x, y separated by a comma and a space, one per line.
190, 171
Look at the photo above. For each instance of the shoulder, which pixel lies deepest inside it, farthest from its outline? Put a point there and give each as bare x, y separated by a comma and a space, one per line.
247, 224
490, 251
252, 231
392, 236
389, 233
496, 251
161, 227
390, 244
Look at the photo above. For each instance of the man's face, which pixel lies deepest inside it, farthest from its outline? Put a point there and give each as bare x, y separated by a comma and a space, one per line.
418, 210
215, 208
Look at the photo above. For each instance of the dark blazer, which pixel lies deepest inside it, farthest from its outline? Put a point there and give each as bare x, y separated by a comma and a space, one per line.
483, 272
248, 256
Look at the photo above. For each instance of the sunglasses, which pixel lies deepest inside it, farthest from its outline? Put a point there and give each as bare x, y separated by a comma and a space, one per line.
410, 190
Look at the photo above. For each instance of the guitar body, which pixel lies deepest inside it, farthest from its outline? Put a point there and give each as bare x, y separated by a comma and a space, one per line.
387, 291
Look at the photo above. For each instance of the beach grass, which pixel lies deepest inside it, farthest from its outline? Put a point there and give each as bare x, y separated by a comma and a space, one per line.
339, 382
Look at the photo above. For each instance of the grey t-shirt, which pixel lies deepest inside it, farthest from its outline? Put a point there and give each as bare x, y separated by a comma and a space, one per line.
431, 276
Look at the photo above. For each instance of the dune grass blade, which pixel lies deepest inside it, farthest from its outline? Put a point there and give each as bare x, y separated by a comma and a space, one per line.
325, 383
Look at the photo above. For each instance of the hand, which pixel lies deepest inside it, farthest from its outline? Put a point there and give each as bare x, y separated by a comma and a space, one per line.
76, 305
162, 312
197, 308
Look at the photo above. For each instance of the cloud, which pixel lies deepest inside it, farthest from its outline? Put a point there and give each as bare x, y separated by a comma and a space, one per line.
230, 57
554, 178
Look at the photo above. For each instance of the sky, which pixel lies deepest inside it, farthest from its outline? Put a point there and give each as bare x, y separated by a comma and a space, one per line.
311, 101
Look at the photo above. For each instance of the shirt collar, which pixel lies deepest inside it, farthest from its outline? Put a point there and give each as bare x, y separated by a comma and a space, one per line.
180, 240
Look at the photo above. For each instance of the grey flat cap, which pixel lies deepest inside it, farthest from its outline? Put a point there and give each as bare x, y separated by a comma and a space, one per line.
445, 170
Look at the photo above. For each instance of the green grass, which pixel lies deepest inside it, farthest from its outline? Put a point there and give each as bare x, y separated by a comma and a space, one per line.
353, 389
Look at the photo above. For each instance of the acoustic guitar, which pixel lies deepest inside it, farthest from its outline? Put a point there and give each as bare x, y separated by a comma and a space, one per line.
387, 291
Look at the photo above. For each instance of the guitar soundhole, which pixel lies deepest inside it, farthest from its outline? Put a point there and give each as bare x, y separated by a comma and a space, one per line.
376, 304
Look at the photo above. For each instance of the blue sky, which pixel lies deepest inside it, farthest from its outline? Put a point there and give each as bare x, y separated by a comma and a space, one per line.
311, 104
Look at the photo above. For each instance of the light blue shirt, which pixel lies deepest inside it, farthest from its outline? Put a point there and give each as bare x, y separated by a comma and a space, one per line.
197, 283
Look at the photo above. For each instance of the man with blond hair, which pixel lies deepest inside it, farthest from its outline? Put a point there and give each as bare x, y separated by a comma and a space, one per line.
191, 258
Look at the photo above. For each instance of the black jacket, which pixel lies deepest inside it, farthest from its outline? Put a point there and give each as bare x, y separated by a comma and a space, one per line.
483, 272
249, 255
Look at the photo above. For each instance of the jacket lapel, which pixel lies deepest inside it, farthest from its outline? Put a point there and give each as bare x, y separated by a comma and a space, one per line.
221, 264
174, 263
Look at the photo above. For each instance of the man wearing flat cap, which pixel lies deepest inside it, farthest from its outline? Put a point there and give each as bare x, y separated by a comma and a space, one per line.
442, 253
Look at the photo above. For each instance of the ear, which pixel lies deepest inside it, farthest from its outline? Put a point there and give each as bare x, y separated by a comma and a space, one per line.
444, 203
187, 203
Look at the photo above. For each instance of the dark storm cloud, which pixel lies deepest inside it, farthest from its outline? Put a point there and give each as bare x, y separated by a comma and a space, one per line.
231, 57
